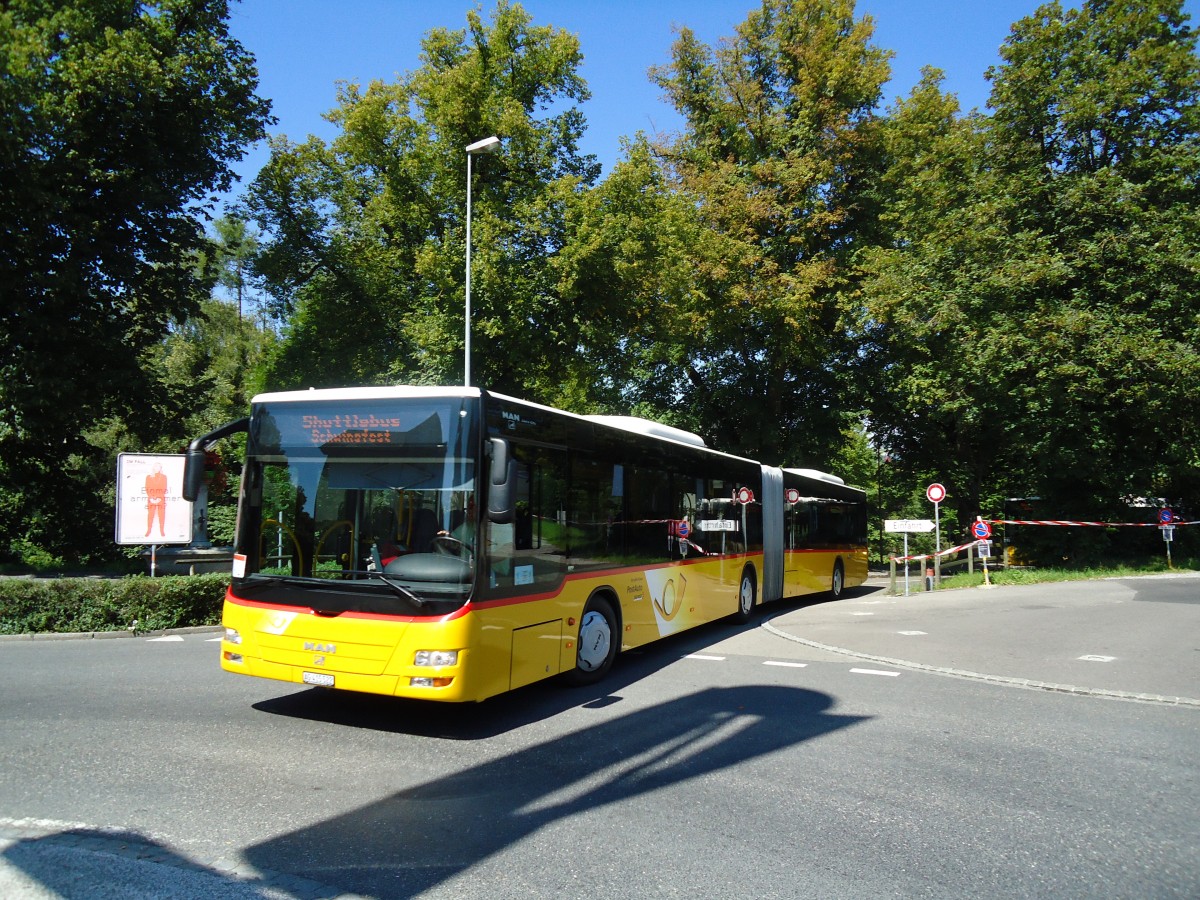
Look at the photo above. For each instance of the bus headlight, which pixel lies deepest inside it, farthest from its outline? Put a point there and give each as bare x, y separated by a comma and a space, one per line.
232, 636
436, 658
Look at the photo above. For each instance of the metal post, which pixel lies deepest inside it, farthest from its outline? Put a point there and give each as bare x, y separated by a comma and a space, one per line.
487, 145
467, 316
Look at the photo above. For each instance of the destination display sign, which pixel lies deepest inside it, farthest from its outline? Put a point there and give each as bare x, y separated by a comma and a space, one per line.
337, 427
350, 428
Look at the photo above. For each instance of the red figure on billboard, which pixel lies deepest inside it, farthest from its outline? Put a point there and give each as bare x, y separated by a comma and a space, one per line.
156, 500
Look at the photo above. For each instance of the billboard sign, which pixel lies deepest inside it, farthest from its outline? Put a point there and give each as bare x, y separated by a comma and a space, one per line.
150, 504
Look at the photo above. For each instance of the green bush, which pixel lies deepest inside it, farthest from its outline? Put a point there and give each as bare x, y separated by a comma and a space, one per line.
65, 605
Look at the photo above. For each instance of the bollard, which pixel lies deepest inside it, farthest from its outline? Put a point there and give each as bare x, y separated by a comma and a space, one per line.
929, 578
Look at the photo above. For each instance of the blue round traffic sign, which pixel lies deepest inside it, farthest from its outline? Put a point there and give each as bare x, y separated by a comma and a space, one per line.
981, 529
1165, 516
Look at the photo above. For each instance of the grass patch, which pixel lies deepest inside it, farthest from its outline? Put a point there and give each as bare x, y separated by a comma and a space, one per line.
1030, 575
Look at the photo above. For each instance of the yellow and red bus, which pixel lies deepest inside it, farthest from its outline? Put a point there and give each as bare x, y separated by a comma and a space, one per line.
453, 543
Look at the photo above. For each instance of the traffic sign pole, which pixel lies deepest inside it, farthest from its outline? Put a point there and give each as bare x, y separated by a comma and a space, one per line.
936, 494
982, 531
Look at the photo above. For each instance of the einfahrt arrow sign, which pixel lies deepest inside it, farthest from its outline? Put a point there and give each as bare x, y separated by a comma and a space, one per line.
906, 526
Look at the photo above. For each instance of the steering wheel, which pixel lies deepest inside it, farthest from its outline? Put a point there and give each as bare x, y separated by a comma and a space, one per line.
450, 546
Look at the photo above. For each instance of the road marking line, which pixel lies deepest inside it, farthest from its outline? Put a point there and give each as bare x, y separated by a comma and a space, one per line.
1091, 658
874, 672
702, 656
790, 665
862, 614
169, 637
912, 632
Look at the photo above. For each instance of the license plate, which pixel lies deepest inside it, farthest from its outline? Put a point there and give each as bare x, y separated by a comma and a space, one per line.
321, 679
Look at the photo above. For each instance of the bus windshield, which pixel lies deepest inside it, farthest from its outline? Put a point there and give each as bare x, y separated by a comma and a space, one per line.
366, 507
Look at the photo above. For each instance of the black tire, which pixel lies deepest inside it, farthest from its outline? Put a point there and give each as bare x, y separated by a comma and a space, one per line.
598, 642
837, 584
747, 593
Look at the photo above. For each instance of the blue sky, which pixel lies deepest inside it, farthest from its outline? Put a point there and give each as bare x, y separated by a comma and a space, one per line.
304, 47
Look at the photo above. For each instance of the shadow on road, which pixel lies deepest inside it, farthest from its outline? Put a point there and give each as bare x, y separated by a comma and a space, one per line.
476, 721
418, 838
91, 864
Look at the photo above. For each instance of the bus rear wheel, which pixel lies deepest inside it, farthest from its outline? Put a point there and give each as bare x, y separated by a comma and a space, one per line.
837, 586
597, 645
747, 590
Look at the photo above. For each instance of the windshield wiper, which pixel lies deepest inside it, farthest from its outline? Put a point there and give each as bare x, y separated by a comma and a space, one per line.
398, 588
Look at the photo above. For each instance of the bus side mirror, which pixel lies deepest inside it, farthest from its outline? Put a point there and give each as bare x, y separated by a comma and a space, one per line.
500, 488
194, 462
195, 458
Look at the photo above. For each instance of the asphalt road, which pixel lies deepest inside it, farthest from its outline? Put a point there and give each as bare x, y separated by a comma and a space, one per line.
1019, 742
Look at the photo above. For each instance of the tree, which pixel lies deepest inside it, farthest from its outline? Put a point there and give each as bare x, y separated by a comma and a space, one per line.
367, 238
120, 119
1033, 315
778, 125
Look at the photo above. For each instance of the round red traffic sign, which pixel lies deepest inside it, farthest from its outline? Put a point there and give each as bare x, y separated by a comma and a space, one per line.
981, 529
744, 495
936, 493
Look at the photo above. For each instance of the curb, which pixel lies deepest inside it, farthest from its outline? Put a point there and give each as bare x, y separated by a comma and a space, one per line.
107, 635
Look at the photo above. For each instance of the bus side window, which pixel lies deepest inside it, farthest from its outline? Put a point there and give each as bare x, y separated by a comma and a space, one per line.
594, 509
648, 513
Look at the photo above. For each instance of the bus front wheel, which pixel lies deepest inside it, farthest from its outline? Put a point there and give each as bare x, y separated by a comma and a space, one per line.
598, 642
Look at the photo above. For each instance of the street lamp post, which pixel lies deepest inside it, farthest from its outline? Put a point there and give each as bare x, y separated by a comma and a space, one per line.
487, 145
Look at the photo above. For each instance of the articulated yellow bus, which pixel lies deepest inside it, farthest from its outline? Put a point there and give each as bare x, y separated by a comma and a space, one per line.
452, 543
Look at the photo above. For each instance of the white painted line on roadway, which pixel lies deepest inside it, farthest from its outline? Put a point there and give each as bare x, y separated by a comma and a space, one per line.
863, 614
1098, 658
169, 637
702, 656
874, 672
790, 665
910, 633
215, 640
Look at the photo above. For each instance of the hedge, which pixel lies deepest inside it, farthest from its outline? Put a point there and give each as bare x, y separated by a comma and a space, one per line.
71, 605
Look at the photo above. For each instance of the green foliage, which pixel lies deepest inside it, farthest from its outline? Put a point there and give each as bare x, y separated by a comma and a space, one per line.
367, 248
1006, 302
777, 125
72, 605
1030, 317
119, 119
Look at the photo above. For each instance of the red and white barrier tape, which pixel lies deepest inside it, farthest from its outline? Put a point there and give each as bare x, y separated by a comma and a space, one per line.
1095, 524
932, 555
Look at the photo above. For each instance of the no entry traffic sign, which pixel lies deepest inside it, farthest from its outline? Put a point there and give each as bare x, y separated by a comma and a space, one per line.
936, 493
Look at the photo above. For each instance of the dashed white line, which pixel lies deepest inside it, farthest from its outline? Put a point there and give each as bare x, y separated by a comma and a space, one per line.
874, 672
702, 656
910, 633
789, 665
1094, 658
862, 613
169, 637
